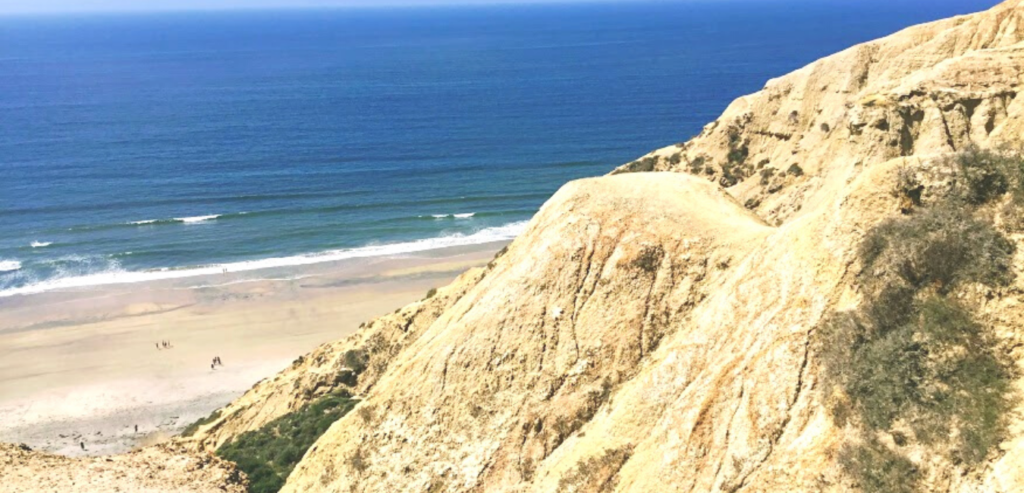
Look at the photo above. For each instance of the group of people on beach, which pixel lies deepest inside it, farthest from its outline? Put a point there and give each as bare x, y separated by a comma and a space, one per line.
216, 362
163, 345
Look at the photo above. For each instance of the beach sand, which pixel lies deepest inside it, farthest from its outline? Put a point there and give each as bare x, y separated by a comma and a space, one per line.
84, 366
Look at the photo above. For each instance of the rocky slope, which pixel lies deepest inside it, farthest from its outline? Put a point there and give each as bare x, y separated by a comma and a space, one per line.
159, 469
659, 329
925, 90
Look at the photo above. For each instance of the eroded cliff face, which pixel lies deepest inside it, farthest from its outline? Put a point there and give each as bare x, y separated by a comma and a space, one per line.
654, 331
612, 268
929, 89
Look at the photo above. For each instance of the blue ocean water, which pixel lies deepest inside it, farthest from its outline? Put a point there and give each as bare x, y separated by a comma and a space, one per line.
150, 145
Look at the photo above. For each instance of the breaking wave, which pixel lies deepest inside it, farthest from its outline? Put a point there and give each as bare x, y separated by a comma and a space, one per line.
466, 215
182, 220
110, 272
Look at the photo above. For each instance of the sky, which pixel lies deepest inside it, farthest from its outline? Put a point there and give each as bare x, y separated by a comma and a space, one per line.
67, 6
57, 6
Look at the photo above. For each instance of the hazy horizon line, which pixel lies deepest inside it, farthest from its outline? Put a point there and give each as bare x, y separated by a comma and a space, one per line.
355, 5
351, 5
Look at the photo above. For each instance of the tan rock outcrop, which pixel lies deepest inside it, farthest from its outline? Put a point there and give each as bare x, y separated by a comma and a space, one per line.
609, 269
159, 469
928, 89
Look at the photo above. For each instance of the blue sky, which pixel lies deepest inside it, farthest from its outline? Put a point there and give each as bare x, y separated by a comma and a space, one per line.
59, 6
55, 6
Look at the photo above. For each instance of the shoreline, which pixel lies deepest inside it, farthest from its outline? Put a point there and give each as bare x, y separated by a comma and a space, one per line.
83, 365
494, 234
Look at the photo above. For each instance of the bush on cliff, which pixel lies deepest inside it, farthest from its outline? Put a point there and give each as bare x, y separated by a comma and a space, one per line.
194, 427
268, 455
912, 366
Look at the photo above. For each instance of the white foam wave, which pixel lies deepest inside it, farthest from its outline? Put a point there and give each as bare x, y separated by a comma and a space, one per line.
41, 244
197, 219
186, 220
466, 215
9, 265
116, 275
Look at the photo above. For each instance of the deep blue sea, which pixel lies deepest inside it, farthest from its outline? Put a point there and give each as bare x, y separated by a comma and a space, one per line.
142, 146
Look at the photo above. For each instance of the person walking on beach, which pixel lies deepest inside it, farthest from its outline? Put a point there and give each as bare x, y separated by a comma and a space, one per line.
157, 345
82, 444
136, 428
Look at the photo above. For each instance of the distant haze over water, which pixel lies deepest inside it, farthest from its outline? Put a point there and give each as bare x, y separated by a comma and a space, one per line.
137, 147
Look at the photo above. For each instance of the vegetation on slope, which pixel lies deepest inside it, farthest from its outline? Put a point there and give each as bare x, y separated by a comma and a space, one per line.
269, 454
913, 367
194, 427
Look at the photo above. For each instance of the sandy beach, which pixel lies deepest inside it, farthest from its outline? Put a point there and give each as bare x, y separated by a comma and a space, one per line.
85, 366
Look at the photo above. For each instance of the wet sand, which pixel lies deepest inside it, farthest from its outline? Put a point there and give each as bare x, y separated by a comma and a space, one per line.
83, 366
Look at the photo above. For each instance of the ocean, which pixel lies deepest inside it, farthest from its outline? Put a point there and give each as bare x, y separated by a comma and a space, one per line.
147, 146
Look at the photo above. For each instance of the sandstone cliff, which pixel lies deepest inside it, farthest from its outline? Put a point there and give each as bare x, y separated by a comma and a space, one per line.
928, 89
655, 331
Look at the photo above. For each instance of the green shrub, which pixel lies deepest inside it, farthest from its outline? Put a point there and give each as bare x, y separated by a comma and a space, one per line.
194, 427
912, 362
268, 455
738, 155
983, 174
643, 165
431, 293
938, 371
878, 469
941, 246
697, 165
355, 360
